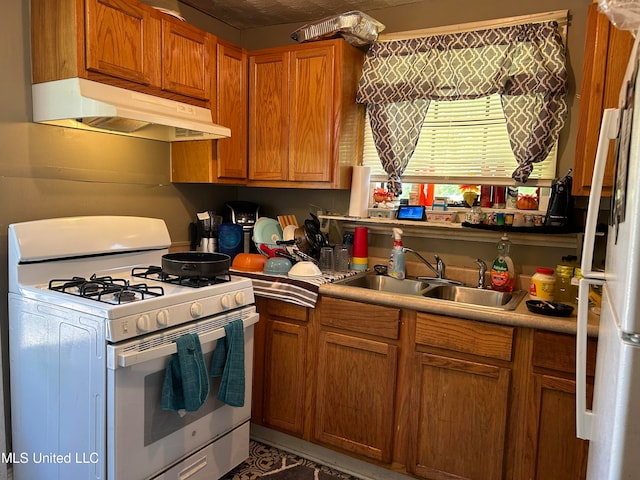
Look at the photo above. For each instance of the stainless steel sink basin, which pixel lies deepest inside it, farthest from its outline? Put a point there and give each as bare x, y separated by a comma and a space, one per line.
384, 283
440, 289
475, 296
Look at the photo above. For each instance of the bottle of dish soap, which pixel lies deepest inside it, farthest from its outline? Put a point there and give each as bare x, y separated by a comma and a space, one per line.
396, 263
503, 275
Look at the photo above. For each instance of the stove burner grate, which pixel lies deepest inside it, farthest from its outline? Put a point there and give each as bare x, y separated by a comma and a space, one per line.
156, 273
105, 289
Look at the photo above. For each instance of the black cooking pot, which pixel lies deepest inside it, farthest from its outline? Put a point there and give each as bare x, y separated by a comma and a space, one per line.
196, 264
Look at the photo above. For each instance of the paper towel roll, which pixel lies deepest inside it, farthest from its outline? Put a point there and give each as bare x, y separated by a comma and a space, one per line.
359, 201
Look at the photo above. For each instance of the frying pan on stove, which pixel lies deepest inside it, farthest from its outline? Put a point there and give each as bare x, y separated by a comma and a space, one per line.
196, 264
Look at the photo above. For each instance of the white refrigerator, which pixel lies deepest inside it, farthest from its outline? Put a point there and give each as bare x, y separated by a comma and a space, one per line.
612, 425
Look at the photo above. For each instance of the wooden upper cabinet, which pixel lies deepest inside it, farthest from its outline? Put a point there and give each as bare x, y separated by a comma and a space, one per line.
124, 43
232, 111
305, 129
606, 56
269, 116
224, 160
311, 140
187, 56
122, 40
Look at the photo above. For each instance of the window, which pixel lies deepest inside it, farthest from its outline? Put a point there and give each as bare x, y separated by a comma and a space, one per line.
461, 140
417, 87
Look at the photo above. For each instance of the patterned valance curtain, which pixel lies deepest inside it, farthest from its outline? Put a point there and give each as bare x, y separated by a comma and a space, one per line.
525, 64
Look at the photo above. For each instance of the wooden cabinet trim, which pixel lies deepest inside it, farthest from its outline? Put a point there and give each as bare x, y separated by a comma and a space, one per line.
465, 336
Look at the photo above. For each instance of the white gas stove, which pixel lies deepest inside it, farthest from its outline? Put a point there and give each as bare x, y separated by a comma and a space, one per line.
94, 321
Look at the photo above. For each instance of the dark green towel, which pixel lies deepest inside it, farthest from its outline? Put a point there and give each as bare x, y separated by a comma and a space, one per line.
186, 384
228, 362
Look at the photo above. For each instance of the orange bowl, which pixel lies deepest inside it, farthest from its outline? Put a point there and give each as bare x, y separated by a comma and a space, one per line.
249, 262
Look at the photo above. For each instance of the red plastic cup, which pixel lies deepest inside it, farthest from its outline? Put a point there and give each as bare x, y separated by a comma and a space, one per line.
361, 242
485, 196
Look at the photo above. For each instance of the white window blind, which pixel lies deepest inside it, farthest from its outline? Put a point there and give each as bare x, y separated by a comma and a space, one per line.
460, 140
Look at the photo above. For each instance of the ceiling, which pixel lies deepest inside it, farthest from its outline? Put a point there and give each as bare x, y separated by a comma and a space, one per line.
245, 14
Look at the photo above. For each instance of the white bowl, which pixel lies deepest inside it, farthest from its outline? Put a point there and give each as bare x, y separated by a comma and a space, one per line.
305, 269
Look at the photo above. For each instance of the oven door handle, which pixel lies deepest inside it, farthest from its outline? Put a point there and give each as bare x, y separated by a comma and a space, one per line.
128, 357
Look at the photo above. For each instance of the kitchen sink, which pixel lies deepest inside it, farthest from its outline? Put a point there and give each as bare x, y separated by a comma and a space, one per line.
439, 289
385, 283
476, 296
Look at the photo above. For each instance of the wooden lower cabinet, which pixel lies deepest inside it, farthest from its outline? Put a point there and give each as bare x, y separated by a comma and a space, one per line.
460, 404
551, 448
355, 394
356, 377
437, 397
280, 378
460, 416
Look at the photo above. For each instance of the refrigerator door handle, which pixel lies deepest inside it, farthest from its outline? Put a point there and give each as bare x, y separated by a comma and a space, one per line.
608, 131
583, 415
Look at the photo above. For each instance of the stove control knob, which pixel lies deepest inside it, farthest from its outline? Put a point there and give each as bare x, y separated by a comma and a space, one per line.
143, 323
195, 310
163, 318
225, 301
239, 298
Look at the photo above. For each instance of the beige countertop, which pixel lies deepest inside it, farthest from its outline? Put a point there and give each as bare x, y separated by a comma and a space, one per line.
520, 317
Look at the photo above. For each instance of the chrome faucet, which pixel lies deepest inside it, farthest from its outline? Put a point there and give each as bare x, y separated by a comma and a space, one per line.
438, 270
482, 269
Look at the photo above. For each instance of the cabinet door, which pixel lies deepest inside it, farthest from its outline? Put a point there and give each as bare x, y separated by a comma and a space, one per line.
187, 56
269, 116
460, 411
552, 449
232, 111
122, 40
355, 394
311, 137
606, 55
285, 376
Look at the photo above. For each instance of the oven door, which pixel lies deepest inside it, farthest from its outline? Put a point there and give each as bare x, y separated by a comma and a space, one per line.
143, 440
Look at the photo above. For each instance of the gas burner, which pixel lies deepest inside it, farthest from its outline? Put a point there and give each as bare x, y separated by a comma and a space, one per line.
156, 273
125, 296
105, 289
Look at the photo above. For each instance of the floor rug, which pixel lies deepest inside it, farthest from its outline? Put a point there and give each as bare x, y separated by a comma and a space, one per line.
269, 463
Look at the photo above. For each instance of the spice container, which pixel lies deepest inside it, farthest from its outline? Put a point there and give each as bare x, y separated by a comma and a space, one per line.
563, 293
543, 284
575, 282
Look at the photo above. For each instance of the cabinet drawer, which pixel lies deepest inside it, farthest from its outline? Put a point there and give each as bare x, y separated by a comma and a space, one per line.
287, 310
557, 351
360, 317
465, 336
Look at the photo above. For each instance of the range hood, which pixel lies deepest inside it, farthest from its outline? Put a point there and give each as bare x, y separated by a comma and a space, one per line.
89, 105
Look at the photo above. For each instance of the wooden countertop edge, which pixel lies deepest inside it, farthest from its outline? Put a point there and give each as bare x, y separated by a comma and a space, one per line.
520, 317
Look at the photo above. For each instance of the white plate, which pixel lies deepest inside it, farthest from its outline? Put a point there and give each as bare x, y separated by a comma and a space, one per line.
289, 232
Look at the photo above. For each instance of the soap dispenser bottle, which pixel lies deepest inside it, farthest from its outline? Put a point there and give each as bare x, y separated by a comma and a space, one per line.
396, 263
503, 275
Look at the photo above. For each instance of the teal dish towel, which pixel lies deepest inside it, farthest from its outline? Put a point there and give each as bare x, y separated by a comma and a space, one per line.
228, 362
186, 383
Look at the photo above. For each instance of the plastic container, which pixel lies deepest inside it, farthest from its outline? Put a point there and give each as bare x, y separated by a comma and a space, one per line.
503, 275
543, 284
396, 262
564, 292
